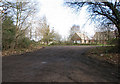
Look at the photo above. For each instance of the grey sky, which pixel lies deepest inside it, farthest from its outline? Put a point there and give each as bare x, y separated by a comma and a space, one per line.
62, 18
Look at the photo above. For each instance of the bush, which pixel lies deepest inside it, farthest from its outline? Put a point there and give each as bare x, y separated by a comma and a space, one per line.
113, 41
54, 43
8, 33
24, 42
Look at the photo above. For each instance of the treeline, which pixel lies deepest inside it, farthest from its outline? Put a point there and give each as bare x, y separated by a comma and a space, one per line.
8, 36
21, 30
15, 16
46, 35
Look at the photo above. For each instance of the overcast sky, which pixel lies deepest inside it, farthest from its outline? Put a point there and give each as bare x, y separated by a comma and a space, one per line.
62, 18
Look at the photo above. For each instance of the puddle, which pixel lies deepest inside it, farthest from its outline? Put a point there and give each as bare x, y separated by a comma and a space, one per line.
43, 62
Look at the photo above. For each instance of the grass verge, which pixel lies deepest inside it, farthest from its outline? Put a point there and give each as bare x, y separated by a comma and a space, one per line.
106, 53
20, 50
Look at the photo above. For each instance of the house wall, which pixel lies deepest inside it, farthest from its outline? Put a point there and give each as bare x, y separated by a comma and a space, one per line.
103, 37
83, 41
79, 39
87, 41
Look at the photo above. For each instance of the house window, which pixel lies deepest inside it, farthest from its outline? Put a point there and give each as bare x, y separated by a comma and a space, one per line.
78, 41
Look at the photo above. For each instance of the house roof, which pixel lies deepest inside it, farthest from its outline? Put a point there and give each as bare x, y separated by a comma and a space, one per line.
81, 35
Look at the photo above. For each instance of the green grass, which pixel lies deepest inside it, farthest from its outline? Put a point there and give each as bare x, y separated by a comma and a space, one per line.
107, 53
76, 44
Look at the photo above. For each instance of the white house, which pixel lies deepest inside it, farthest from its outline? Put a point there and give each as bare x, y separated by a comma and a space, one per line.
79, 38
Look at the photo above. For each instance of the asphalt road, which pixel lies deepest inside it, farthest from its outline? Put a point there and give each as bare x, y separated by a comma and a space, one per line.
57, 64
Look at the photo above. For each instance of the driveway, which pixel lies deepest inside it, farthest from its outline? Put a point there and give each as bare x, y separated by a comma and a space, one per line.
57, 64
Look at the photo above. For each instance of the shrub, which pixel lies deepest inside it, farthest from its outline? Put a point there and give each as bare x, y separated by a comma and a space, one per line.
24, 42
113, 41
8, 33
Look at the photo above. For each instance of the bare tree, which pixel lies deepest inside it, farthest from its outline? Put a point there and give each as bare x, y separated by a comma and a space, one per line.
74, 29
44, 31
107, 12
20, 11
57, 37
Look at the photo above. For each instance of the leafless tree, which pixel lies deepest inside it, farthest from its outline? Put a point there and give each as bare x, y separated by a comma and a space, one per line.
20, 11
74, 29
43, 31
107, 12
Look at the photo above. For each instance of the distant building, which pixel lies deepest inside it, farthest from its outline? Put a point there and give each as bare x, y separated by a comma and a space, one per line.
103, 37
79, 38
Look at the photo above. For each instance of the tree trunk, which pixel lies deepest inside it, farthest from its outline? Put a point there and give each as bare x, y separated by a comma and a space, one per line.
118, 27
13, 45
47, 42
17, 18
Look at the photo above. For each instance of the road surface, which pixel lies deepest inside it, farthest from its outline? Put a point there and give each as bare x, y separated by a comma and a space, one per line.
57, 64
